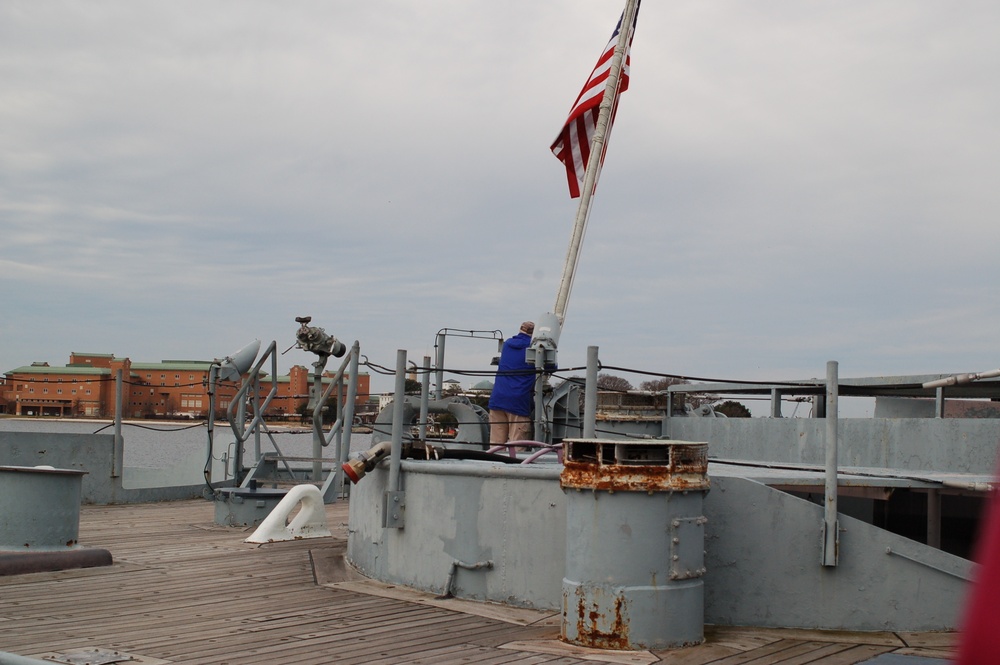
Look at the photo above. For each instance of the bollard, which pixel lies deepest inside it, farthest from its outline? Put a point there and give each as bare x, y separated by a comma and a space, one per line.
40, 522
39, 508
635, 541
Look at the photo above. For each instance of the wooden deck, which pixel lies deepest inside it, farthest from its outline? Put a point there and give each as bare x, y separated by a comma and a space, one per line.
183, 590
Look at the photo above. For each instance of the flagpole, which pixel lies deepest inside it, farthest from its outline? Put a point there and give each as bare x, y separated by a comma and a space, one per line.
594, 162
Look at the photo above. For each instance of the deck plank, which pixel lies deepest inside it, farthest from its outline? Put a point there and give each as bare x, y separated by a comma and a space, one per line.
183, 590
809, 652
699, 655
857, 654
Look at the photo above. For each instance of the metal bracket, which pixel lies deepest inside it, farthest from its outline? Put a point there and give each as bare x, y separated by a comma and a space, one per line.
830, 544
394, 510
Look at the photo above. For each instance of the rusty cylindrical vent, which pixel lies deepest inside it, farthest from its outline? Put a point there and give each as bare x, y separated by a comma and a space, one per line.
634, 543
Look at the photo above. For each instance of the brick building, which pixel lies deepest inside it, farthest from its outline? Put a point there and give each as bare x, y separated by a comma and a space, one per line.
172, 388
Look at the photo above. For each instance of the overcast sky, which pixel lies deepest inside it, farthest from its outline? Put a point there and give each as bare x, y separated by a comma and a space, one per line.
787, 182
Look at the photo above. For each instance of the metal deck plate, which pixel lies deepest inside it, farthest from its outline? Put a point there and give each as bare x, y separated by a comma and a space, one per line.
97, 656
91, 657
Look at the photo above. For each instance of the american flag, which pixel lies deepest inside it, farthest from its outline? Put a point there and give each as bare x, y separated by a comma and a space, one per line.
572, 146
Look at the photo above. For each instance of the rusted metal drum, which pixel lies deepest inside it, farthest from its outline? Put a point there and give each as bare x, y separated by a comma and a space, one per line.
635, 538
39, 508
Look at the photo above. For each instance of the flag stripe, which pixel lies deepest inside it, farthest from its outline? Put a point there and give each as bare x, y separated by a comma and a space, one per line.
572, 146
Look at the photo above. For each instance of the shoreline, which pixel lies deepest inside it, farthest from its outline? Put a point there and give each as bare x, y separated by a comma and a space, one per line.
149, 423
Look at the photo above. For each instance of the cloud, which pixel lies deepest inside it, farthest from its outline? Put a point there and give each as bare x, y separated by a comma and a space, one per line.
785, 183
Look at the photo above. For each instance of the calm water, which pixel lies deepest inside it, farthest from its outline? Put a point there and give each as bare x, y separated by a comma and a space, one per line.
179, 447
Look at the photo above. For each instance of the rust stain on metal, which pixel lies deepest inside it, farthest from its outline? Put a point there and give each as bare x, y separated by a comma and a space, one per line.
588, 634
629, 478
614, 466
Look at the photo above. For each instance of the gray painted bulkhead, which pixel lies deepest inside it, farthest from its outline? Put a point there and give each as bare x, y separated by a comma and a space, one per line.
469, 512
955, 445
92, 454
763, 550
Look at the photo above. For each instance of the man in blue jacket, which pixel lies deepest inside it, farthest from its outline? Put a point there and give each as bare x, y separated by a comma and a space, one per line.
510, 401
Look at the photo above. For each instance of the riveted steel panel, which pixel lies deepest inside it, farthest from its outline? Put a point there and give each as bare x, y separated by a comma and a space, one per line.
687, 547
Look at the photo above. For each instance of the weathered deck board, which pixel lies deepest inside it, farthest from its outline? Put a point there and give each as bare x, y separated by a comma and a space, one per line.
186, 591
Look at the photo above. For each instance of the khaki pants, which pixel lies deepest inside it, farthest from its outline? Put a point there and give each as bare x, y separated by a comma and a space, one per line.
506, 426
